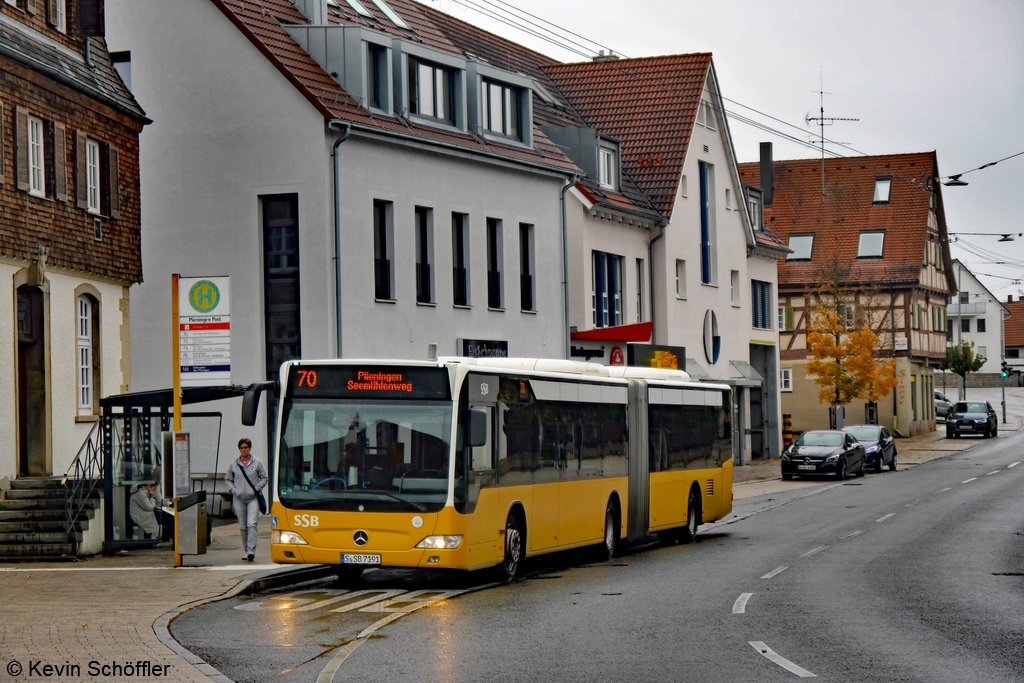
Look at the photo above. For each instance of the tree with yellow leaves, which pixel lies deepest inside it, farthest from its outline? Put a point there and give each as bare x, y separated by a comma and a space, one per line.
842, 343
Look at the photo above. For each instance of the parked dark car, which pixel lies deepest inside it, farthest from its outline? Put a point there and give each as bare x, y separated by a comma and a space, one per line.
972, 417
824, 451
942, 405
879, 446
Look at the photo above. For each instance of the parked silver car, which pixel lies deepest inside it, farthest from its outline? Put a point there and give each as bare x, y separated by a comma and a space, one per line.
942, 405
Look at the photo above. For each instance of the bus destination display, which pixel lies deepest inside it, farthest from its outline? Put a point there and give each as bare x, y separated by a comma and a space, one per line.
339, 381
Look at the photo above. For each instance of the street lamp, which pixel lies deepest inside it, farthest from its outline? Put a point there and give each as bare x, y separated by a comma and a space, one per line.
954, 181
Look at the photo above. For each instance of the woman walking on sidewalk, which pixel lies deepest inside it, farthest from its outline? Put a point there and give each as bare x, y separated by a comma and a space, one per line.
246, 479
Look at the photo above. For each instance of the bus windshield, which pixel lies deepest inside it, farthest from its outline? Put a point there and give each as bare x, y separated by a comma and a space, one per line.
365, 455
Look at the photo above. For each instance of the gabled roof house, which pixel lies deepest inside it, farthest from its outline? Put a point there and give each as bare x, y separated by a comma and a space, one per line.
883, 216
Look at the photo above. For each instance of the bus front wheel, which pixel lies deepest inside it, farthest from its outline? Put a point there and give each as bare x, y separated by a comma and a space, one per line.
689, 532
514, 538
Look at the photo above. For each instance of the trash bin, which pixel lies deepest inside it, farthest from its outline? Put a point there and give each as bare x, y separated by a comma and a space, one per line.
193, 528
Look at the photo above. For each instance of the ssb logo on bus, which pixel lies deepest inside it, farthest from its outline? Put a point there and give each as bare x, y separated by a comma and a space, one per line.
306, 520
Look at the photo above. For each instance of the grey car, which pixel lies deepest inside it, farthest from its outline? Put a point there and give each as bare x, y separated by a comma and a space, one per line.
942, 405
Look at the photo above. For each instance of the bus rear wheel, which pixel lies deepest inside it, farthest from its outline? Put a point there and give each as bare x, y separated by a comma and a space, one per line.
611, 532
689, 532
512, 562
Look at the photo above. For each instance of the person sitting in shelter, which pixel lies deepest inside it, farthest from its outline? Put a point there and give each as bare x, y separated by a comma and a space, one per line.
144, 507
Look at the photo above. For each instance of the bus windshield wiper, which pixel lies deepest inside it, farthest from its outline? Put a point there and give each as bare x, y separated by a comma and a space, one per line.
421, 508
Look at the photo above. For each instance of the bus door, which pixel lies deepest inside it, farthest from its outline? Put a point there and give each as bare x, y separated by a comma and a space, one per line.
639, 462
483, 516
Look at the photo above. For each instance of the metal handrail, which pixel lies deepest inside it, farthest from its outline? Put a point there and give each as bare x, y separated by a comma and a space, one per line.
83, 477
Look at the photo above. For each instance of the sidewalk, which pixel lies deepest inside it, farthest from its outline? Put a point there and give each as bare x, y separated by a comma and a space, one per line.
765, 476
105, 609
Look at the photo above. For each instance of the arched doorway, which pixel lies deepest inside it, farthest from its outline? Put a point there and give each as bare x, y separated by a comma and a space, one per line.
32, 403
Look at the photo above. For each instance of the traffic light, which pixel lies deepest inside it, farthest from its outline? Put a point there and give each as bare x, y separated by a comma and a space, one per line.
1006, 369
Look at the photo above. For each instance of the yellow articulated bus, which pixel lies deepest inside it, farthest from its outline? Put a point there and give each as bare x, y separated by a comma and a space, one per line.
465, 463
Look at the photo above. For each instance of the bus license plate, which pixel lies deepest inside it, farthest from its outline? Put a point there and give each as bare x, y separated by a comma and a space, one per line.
360, 559
806, 467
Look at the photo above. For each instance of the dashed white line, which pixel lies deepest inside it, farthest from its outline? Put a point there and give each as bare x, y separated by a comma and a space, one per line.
991, 473
855, 533
773, 656
815, 551
912, 503
882, 519
1013, 464
969, 480
774, 572
740, 606
944, 490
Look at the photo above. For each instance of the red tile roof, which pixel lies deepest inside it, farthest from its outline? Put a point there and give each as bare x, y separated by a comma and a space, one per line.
797, 208
1014, 325
261, 23
649, 104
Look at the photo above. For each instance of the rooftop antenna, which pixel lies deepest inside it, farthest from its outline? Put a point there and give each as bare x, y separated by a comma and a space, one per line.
823, 121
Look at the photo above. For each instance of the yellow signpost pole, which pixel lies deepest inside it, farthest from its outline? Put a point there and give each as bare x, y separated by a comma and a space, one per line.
175, 391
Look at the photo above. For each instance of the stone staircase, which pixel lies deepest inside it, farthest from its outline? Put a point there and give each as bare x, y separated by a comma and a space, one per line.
32, 522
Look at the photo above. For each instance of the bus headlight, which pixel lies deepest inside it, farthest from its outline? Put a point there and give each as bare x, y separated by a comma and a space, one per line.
448, 542
287, 537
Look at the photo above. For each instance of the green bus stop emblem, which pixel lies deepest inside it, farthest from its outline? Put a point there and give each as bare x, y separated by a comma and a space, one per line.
204, 296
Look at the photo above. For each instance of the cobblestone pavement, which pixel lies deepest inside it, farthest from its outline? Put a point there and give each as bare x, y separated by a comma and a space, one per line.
103, 609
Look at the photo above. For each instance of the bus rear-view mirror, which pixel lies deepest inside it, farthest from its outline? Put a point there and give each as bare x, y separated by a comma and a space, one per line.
477, 427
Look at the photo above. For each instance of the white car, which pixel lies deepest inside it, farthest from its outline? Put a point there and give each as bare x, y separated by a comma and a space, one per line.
942, 405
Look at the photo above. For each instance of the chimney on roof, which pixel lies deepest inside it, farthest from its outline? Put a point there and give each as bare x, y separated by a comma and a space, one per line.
767, 177
314, 10
601, 56
1009, 298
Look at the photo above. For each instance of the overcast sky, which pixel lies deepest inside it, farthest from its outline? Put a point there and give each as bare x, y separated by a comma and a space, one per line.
920, 76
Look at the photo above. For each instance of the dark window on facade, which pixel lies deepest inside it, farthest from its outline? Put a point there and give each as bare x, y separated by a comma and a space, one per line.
382, 241
494, 260
431, 91
460, 261
761, 305
606, 289
705, 227
526, 266
1013, 353
282, 326
376, 75
424, 254
981, 324
965, 297
965, 324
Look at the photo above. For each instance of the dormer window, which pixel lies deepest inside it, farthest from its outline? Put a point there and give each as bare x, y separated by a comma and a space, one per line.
431, 91
754, 202
608, 166
502, 110
882, 186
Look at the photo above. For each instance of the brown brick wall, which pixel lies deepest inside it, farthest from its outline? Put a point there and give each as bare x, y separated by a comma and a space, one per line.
36, 17
65, 229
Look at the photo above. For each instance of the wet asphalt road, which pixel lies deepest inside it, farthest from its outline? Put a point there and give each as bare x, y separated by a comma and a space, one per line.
902, 576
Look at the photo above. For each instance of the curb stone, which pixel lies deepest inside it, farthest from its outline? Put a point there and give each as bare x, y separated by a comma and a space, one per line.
254, 583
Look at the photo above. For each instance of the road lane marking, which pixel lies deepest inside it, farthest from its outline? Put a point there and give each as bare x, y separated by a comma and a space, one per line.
327, 675
969, 480
891, 514
774, 572
773, 656
912, 503
1013, 464
815, 551
855, 533
944, 490
991, 473
740, 606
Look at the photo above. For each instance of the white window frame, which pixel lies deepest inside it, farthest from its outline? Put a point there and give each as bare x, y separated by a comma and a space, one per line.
680, 279
782, 319
92, 174
61, 16
83, 355
36, 158
734, 288
785, 379
608, 167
